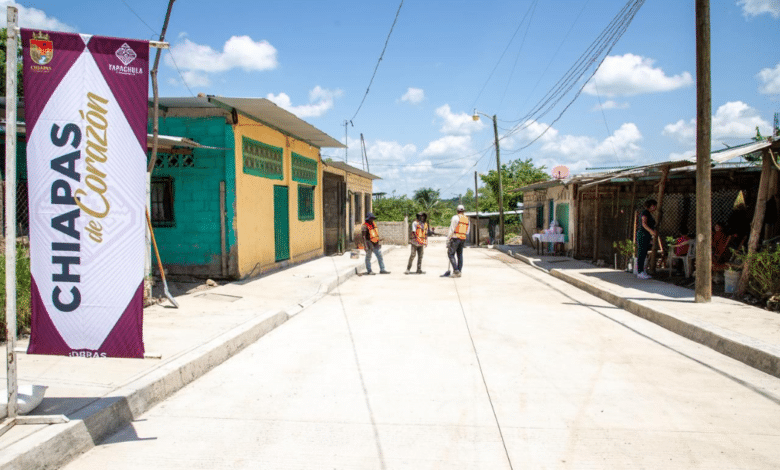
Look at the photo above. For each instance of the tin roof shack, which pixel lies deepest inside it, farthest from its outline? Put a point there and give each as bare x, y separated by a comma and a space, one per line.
347, 197
248, 201
602, 208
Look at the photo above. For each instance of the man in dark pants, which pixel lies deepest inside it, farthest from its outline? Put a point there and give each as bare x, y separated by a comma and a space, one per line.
456, 239
418, 239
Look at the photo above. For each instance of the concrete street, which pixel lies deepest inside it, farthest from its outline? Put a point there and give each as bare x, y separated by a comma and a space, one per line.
506, 367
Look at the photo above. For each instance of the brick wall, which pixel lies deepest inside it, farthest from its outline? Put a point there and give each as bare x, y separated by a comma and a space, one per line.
394, 233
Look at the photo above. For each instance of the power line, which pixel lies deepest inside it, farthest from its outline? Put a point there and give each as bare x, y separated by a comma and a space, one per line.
379, 61
498, 62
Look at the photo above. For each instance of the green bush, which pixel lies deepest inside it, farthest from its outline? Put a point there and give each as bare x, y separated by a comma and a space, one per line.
23, 285
764, 272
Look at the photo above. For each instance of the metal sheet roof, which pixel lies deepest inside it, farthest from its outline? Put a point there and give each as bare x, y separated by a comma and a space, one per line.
351, 169
258, 109
267, 112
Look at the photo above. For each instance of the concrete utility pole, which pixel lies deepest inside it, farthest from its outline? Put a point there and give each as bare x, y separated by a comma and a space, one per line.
500, 185
703, 172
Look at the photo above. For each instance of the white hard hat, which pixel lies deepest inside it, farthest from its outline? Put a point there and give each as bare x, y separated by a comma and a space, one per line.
460, 208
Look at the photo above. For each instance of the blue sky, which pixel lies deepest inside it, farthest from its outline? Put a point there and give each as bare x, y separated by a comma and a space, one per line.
446, 58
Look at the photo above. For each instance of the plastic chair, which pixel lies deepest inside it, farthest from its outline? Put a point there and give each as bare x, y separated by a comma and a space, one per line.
687, 258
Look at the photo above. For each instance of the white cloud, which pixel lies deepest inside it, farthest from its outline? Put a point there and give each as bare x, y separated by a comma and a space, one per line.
610, 104
734, 119
196, 79
320, 101
414, 95
238, 52
630, 74
449, 145
390, 152
770, 80
33, 18
687, 155
460, 124
758, 7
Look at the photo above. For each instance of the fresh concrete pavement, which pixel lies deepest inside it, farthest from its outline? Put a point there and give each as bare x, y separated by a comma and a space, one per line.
102, 396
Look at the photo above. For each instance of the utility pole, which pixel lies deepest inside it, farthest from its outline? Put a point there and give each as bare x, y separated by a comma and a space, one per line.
476, 204
703, 291
500, 185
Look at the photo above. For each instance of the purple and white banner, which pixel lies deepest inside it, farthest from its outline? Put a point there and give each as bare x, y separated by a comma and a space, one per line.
86, 112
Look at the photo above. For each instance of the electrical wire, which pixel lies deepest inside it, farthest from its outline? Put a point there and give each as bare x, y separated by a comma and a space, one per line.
517, 57
501, 57
604, 116
379, 61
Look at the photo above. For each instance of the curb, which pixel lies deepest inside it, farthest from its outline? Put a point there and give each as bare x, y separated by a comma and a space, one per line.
745, 349
750, 351
56, 445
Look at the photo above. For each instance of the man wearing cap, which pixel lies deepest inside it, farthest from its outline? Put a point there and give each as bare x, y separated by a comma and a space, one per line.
456, 238
371, 242
418, 239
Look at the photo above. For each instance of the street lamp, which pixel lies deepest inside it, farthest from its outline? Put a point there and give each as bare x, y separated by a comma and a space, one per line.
498, 167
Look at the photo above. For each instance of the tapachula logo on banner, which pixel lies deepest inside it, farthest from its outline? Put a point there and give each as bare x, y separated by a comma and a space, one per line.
126, 55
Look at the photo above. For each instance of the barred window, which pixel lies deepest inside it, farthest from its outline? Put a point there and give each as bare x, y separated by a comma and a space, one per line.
162, 202
263, 160
305, 202
304, 170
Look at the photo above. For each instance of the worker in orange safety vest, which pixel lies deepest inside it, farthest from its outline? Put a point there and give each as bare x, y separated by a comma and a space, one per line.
456, 239
418, 240
371, 241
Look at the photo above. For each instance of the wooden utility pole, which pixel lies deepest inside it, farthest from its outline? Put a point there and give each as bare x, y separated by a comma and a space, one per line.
758, 221
153, 73
476, 204
660, 198
703, 172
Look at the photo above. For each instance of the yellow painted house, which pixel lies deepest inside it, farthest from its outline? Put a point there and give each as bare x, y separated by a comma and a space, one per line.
247, 200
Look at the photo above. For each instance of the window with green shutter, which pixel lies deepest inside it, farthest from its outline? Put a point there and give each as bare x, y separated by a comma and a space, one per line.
305, 202
263, 160
304, 170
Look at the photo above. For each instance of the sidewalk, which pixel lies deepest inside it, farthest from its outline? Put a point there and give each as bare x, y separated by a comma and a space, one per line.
742, 332
101, 396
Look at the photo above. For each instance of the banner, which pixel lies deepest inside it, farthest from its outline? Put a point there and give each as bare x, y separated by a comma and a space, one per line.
85, 100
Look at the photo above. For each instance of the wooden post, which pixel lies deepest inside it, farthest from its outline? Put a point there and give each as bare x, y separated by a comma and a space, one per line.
660, 198
632, 211
703, 141
758, 222
575, 215
578, 249
476, 204
596, 226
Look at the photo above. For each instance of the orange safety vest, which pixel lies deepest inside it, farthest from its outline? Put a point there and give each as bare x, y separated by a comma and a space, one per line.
373, 232
463, 227
421, 234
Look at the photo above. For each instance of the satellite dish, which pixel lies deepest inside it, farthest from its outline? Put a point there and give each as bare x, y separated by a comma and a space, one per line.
560, 172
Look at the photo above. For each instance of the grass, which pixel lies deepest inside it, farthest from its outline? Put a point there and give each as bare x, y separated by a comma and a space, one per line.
23, 282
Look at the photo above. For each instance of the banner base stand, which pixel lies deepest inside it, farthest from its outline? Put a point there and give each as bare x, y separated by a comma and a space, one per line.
9, 423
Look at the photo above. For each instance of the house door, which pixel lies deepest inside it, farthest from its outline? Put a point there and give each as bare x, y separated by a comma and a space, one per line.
281, 223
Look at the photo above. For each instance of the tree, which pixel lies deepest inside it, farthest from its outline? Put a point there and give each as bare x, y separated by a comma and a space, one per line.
516, 174
19, 88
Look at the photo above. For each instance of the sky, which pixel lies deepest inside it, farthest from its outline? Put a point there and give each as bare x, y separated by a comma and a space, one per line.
632, 104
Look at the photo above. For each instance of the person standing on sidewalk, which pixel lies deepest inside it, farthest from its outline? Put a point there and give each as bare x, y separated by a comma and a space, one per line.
456, 238
371, 240
418, 239
644, 236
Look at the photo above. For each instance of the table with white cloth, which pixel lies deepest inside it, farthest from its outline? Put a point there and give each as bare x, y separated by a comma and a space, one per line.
548, 238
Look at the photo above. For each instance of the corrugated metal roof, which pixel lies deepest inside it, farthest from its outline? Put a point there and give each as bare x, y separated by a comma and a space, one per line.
267, 112
351, 169
260, 110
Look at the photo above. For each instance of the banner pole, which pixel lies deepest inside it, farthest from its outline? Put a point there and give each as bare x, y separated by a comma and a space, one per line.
10, 209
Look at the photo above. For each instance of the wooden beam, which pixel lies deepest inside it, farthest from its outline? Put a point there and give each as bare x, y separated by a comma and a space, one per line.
660, 199
758, 222
596, 226
703, 291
